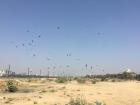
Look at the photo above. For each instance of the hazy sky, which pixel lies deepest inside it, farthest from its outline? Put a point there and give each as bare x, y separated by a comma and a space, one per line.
104, 34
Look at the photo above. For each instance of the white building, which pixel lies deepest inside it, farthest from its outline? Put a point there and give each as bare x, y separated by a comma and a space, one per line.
128, 71
2, 73
6, 73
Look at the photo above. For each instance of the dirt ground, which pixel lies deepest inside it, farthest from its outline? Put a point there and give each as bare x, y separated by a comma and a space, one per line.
47, 92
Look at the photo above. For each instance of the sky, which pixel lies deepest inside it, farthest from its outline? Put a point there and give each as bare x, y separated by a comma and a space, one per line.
103, 34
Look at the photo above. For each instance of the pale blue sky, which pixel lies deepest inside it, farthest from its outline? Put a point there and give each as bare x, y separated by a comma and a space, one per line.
104, 34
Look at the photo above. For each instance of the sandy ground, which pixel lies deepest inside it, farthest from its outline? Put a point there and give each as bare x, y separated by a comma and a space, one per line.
50, 93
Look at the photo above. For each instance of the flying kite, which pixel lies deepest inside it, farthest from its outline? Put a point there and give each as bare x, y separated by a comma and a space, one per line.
28, 31
39, 36
16, 46
58, 27
23, 44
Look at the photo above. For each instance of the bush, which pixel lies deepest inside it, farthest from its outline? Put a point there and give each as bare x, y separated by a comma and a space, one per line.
103, 79
113, 80
61, 80
69, 78
138, 77
11, 86
99, 103
77, 101
81, 80
93, 81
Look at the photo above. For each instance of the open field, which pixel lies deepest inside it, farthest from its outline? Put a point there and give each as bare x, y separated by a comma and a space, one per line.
48, 92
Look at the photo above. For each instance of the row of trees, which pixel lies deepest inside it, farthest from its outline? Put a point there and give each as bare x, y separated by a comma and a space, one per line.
124, 75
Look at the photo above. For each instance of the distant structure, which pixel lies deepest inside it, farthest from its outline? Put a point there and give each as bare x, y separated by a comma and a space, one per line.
129, 73
2, 73
7, 72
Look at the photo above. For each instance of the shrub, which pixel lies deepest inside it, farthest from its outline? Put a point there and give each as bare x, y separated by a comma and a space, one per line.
43, 91
77, 101
93, 81
98, 103
113, 80
69, 78
11, 86
138, 77
52, 90
61, 80
81, 80
103, 79
35, 102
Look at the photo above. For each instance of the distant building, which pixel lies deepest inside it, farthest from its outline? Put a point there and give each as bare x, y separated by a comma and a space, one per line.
7, 73
129, 73
2, 73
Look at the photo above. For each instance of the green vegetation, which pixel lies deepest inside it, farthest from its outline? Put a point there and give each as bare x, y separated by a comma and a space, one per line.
61, 80
93, 81
35, 102
81, 80
52, 90
77, 101
11, 86
127, 76
138, 77
103, 79
99, 103
113, 80
43, 91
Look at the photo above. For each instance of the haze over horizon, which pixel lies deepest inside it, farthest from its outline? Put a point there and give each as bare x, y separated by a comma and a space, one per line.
65, 35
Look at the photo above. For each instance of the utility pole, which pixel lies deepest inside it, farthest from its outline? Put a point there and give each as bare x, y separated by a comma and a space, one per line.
28, 71
40, 72
9, 67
